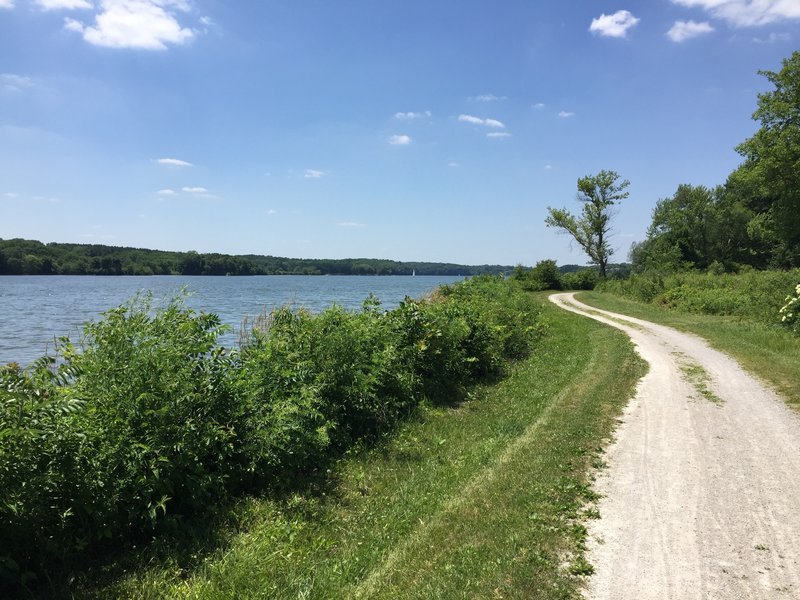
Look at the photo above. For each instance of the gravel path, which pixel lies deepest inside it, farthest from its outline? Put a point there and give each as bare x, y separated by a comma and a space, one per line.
701, 497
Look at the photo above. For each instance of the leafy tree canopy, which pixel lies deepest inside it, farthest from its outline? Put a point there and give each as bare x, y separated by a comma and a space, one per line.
592, 228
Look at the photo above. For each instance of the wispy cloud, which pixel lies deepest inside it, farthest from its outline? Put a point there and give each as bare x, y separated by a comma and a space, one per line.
167, 192
400, 140
194, 190
314, 174
747, 13
539, 105
15, 83
138, 24
272, 211
6, 4
410, 116
498, 134
478, 121
773, 38
350, 224
684, 30
616, 25
63, 4
548, 167
564, 114
453, 164
488, 98
173, 162
9, 195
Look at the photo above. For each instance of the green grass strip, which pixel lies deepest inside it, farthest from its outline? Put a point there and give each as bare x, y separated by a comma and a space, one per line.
481, 500
770, 352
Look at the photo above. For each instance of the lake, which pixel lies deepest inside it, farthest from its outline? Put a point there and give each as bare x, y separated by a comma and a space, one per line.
36, 309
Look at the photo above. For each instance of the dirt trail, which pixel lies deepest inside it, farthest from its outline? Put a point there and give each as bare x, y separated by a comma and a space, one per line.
701, 498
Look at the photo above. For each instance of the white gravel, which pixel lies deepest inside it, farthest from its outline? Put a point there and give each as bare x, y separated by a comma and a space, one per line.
701, 498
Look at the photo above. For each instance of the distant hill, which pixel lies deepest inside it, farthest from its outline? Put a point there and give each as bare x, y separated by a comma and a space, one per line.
30, 257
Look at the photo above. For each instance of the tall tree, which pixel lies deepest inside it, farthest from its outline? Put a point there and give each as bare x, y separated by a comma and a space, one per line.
592, 228
771, 169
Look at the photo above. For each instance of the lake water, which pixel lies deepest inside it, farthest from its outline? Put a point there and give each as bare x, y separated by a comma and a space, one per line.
36, 309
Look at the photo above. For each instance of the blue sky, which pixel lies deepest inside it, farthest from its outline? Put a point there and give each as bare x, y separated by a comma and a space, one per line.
413, 130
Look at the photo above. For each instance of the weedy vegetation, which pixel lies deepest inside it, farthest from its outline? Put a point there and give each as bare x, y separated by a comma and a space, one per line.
441, 449
481, 498
147, 426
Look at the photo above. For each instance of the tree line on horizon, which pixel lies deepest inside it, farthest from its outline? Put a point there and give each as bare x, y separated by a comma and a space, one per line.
31, 257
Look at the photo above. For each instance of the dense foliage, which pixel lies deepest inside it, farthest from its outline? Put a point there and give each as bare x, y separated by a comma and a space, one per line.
754, 219
29, 257
757, 295
149, 422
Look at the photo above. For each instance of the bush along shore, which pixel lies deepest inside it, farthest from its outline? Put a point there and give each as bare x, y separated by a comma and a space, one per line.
147, 423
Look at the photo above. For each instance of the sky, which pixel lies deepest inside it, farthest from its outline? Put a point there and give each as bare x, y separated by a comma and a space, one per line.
409, 130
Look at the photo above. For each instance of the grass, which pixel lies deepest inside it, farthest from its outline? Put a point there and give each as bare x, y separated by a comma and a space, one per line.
485, 499
697, 376
768, 351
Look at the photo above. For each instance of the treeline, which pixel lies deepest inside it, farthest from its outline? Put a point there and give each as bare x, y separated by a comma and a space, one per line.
30, 257
753, 220
149, 424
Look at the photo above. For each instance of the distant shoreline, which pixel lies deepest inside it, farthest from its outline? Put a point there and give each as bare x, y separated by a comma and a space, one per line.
31, 257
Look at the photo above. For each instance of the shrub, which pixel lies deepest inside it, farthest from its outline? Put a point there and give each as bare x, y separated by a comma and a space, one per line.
583, 279
544, 276
790, 311
153, 423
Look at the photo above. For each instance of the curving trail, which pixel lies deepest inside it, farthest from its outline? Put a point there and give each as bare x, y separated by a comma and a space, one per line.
701, 498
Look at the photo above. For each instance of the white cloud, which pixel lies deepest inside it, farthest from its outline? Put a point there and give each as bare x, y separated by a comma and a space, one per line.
566, 114
400, 140
773, 38
350, 224
747, 13
141, 24
194, 190
167, 192
548, 167
15, 83
6, 3
272, 211
9, 195
488, 98
453, 164
615, 25
63, 4
539, 105
470, 119
314, 174
683, 30
410, 116
173, 162
498, 134
478, 121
